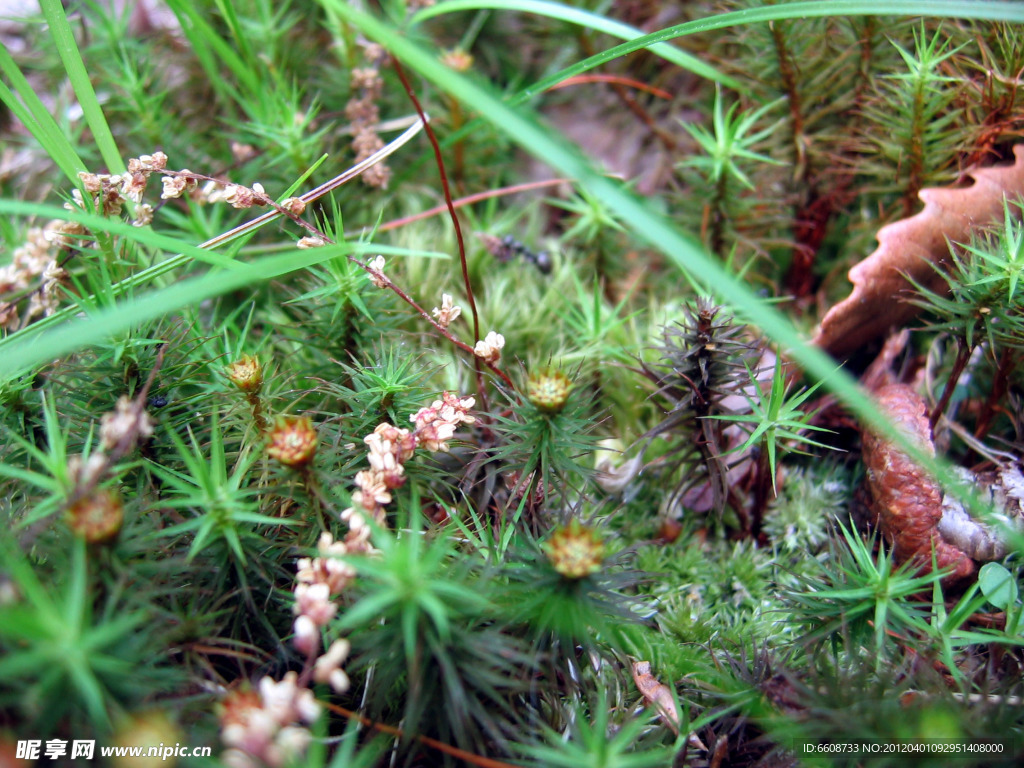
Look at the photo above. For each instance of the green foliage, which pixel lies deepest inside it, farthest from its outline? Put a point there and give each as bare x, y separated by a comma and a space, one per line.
864, 596
912, 113
421, 620
44, 467
64, 655
727, 143
774, 418
983, 303
388, 387
589, 743
998, 585
218, 496
549, 449
807, 504
509, 585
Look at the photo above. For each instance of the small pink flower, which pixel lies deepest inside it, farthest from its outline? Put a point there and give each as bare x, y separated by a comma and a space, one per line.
489, 349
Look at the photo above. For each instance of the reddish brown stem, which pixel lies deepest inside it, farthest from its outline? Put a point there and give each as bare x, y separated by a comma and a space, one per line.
469, 200
606, 78
437, 326
634, 106
1000, 384
256, 404
448, 749
963, 354
455, 222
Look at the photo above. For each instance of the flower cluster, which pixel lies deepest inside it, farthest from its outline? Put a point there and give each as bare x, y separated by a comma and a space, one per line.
214, 191
318, 580
575, 550
363, 112
292, 440
436, 425
246, 373
109, 193
261, 727
37, 258
448, 312
176, 186
322, 578
310, 241
265, 726
548, 390
97, 514
489, 349
375, 268
124, 425
457, 59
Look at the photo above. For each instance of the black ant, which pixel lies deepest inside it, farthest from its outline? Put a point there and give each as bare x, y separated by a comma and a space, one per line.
507, 248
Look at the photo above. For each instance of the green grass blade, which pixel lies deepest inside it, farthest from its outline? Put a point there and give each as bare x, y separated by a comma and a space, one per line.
584, 19
991, 11
33, 114
64, 39
31, 347
213, 51
523, 128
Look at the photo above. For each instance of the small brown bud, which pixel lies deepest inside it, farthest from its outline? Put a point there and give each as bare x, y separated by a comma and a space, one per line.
292, 441
457, 59
97, 518
246, 373
548, 390
294, 206
669, 530
575, 551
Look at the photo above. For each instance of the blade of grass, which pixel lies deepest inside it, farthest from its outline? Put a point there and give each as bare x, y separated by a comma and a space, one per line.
584, 19
988, 11
685, 251
33, 114
993, 11
213, 51
64, 39
34, 348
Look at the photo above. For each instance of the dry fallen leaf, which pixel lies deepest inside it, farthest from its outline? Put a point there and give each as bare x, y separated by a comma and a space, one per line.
661, 697
907, 500
655, 693
912, 247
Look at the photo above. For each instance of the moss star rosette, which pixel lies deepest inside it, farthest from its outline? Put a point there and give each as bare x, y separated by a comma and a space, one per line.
246, 373
548, 390
575, 550
292, 441
98, 517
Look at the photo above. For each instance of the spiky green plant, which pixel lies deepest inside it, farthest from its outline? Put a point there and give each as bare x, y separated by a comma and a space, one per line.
703, 361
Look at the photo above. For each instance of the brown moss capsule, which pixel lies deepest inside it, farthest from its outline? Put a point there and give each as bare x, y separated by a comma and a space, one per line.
548, 390
98, 517
246, 373
575, 550
292, 441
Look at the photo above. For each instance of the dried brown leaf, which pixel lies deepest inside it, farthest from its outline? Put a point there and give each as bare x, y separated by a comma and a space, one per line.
907, 500
656, 693
661, 697
911, 248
